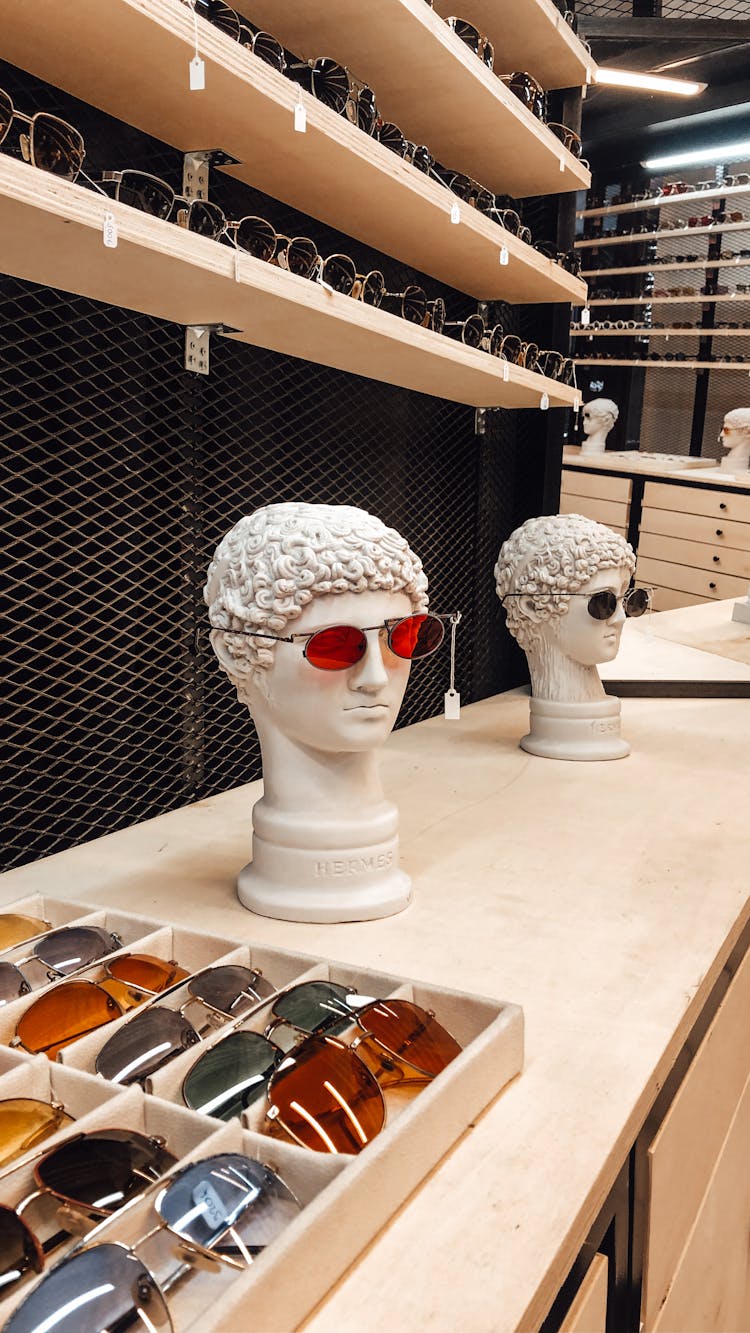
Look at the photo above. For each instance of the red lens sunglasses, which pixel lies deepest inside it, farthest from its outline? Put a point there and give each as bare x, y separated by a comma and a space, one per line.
340, 646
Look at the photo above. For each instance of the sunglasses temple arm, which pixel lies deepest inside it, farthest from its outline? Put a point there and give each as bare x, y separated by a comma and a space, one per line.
94, 184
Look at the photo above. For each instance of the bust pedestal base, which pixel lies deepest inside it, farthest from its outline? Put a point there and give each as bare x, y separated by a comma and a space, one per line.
356, 883
575, 731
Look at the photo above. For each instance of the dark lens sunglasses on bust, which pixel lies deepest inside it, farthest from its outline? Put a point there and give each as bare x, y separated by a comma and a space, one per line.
603, 604
51, 143
341, 646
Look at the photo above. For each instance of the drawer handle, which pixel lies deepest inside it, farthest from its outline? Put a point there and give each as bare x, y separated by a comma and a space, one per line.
716, 559
722, 505
719, 532
712, 585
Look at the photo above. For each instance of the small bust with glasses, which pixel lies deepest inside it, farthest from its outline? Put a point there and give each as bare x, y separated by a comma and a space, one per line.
317, 612
564, 582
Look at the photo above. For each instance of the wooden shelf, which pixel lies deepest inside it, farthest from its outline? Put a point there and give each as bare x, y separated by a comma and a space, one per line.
654, 268
662, 201
52, 232
670, 300
604, 242
434, 88
333, 172
660, 333
544, 44
679, 365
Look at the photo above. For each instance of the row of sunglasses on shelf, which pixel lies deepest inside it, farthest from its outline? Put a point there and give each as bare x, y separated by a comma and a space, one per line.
623, 325
226, 1208
664, 356
661, 293
592, 232
55, 146
336, 87
595, 199
290, 1063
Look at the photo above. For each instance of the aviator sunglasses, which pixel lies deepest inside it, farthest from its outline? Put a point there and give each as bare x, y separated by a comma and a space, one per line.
338, 647
221, 1207
25, 1121
410, 1045
17, 928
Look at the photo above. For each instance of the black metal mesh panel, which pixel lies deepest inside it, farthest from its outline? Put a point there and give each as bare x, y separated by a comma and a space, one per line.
121, 471
704, 9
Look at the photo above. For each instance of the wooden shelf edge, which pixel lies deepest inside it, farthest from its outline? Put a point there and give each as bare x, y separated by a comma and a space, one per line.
662, 201
670, 300
544, 44
666, 268
660, 333
604, 242
54, 232
679, 365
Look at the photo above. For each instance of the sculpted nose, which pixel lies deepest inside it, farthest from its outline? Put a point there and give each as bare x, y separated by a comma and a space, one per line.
370, 674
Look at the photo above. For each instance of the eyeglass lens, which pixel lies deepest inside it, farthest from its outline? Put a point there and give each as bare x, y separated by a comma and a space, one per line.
226, 1191
105, 1287
15, 928
145, 1044
231, 1075
73, 947
103, 1170
25, 1122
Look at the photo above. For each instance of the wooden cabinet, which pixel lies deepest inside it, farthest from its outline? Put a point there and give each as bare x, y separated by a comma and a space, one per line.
597, 495
588, 1311
693, 540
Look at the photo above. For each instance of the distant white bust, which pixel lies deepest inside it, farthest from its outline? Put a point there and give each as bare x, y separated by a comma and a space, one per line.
562, 579
735, 436
598, 418
325, 844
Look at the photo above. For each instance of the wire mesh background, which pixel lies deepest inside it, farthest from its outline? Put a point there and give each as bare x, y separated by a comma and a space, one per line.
120, 472
670, 9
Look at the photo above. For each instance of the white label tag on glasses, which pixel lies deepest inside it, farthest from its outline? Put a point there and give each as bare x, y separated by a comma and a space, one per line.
109, 230
452, 700
197, 75
585, 316
506, 371
300, 118
504, 256
562, 163
455, 214
544, 404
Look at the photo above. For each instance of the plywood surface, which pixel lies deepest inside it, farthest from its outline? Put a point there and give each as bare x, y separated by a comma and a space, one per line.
525, 886
708, 627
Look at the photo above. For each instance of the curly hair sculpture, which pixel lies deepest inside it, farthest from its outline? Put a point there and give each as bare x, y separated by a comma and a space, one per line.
273, 562
550, 557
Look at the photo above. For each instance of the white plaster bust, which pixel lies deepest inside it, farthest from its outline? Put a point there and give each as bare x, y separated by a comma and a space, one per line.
598, 418
735, 436
545, 574
325, 842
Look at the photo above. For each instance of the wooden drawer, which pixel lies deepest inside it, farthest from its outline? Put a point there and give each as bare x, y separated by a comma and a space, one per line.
610, 512
696, 528
683, 1155
697, 500
697, 554
588, 1310
669, 599
710, 1292
598, 484
663, 574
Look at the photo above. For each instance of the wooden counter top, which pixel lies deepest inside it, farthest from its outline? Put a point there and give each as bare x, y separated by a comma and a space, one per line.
628, 461
604, 898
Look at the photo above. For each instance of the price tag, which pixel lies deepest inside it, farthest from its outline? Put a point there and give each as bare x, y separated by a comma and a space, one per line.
577, 406
455, 214
506, 371
237, 274
109, 230
452, 700
504, 256
588, 74
562, 163
585, 316
544, 404
197, 75
300, 118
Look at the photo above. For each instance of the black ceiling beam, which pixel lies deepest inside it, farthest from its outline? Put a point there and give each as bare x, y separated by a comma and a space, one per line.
667, 30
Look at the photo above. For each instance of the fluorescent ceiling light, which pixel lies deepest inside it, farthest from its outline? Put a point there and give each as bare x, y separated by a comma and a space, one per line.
726, 152
651, 83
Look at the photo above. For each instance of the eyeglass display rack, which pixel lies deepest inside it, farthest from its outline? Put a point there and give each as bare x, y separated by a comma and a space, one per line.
333, 171
704, 330
369, 1187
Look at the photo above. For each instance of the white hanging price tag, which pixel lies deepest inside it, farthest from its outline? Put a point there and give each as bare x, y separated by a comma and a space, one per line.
588, 74
544, 404
562, 163
452, 700
506, 371
109, 230
300, 118
197, 74
504, 256
585, 316
577, 406
455, 214
237, 274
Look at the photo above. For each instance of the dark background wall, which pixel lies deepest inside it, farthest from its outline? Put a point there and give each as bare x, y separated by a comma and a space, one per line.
120, 471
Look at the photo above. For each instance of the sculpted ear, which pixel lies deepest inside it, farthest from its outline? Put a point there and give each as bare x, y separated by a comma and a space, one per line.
223, 652
528, 608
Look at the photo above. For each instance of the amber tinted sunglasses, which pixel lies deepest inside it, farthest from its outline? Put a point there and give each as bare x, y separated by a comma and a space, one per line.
16, 928
25, 1122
